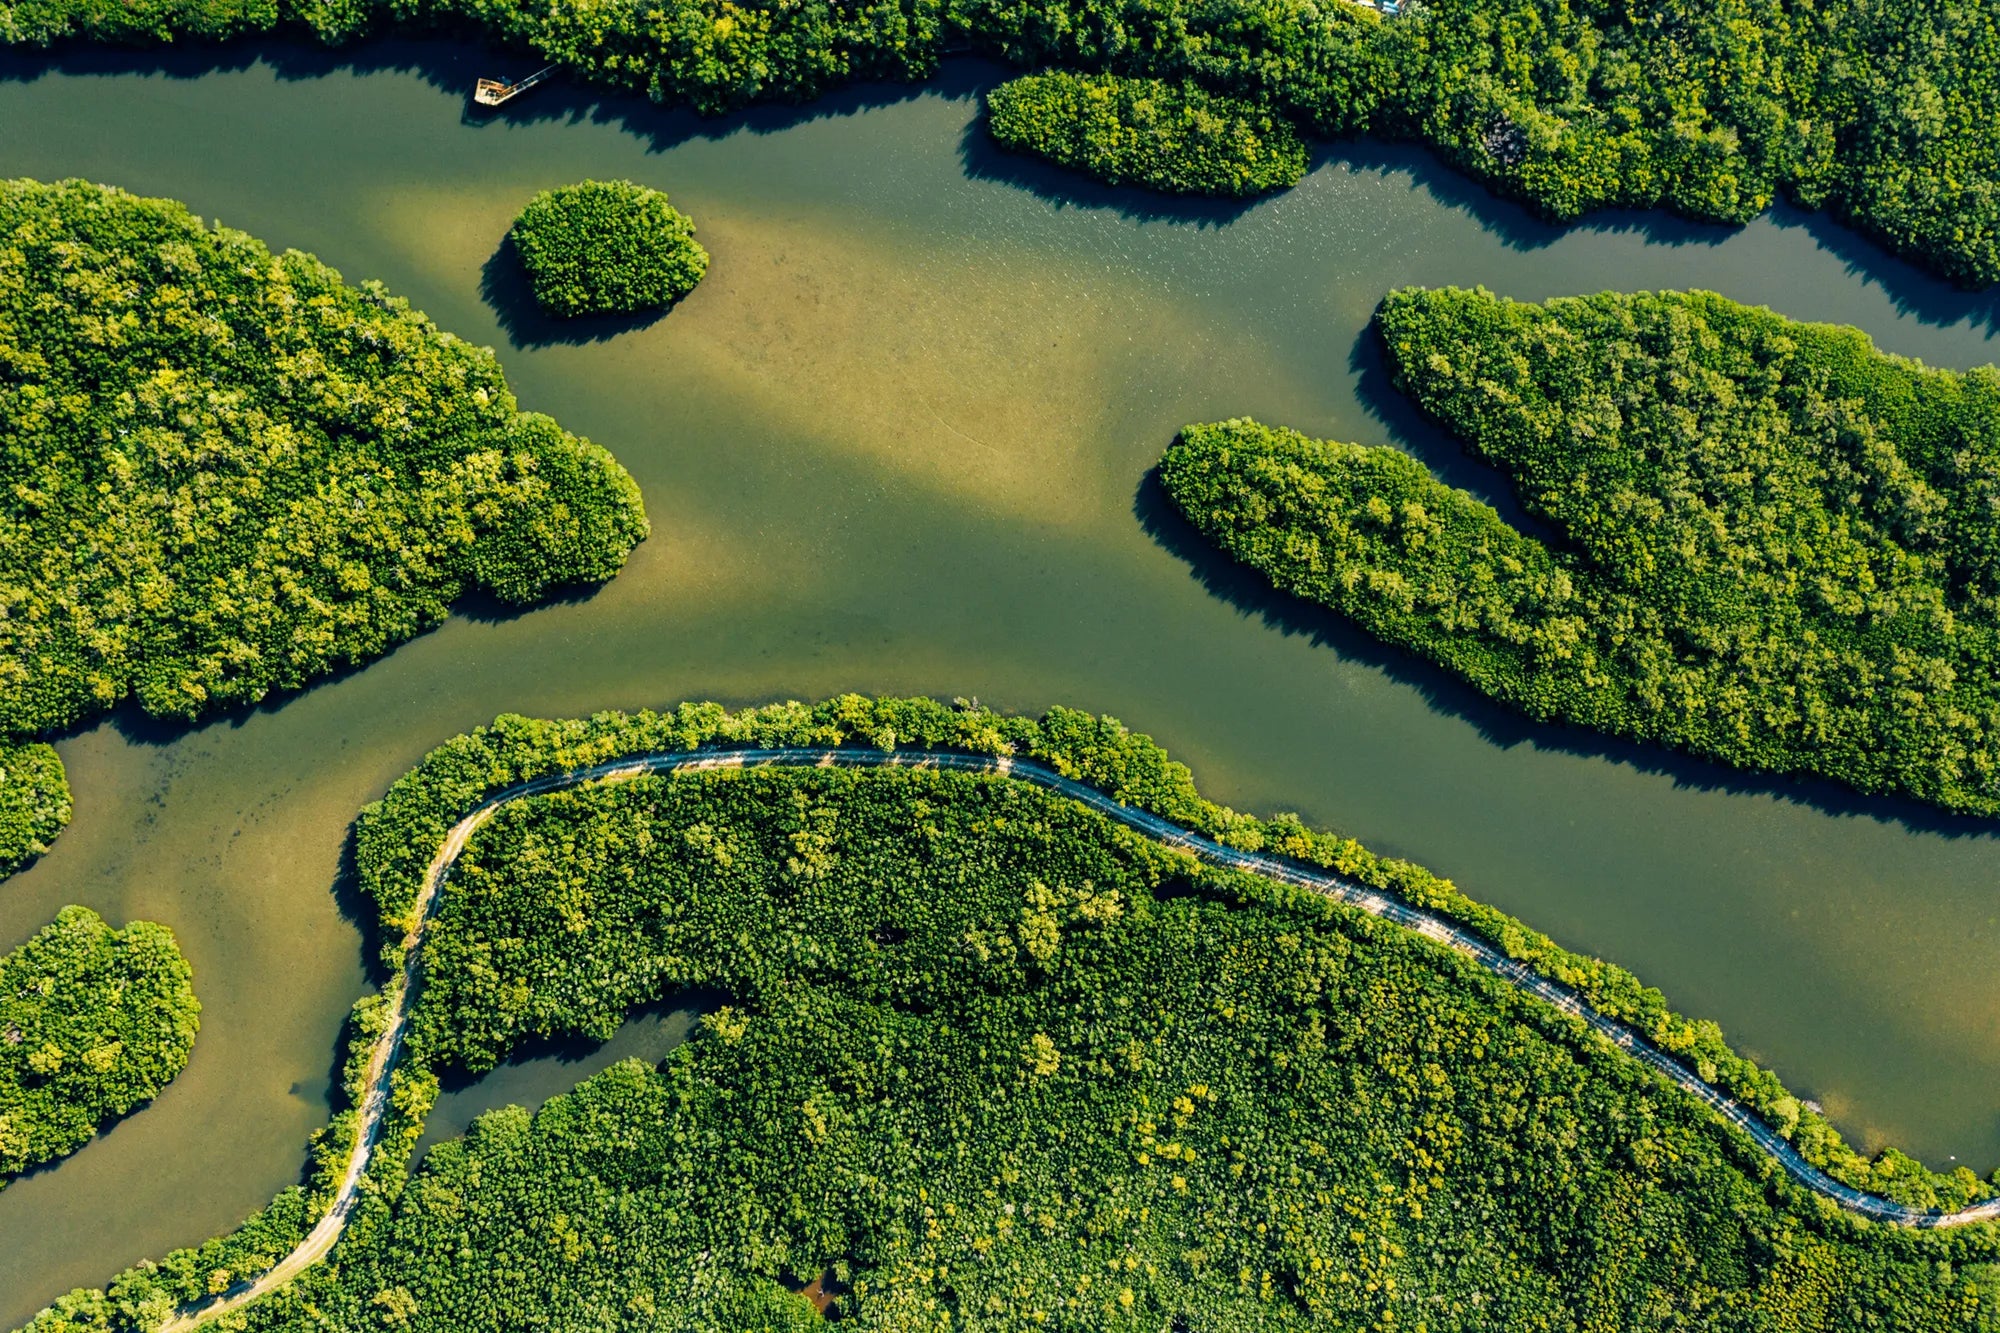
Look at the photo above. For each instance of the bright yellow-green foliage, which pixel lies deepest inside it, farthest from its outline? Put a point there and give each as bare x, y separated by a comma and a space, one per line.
227, 472
998, 1063
607, 248
1780, 544
93, 1021
34, 802
1172, 137
1878, 110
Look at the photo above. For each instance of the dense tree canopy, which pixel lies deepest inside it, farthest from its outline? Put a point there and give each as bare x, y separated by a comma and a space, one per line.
1880, 110
988, 1060
977, 1065
1167, 136
93, 1021
227, 472
1778, 545
34, 802
607, 248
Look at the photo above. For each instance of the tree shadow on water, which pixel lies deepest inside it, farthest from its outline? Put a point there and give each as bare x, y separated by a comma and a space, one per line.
504, 286
357, 909
441, 63
1915, 292
1404, 424
1514, 224
481, 607
1253, 597
138, 727
454, 64
661, 128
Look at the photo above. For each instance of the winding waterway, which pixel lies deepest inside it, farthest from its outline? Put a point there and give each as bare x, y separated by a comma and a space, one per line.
894, 443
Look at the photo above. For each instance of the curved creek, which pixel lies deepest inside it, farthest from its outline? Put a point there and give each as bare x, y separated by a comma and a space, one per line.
895, 443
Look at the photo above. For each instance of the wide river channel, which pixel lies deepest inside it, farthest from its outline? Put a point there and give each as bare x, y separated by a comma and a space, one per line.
896, 442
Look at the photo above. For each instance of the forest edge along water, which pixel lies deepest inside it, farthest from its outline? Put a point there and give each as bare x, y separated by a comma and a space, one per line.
375, 1095
896, 442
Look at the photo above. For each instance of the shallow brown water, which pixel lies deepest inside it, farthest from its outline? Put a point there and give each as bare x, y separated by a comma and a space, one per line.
895, 443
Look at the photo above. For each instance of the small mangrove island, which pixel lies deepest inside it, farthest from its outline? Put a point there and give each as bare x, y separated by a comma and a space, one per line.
93, 1022
606, 248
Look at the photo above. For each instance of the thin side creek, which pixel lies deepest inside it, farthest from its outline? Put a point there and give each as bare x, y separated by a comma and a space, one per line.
896, 442
530, 1077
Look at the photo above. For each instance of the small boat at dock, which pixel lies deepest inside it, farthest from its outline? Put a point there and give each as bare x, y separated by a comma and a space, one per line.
492, 92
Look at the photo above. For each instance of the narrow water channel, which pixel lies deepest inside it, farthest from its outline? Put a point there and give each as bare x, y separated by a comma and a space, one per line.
896, 443
532, 1076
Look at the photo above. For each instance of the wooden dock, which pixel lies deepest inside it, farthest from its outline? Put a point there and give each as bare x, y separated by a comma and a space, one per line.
492, 92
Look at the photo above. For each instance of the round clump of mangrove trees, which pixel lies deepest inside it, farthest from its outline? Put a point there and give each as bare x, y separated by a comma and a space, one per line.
607, 248
93, 1022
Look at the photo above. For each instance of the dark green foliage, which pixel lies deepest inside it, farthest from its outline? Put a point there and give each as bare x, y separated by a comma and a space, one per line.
607, 248
93, 1021
34, 802
1779, 546
1168, 136
228, 472
1880, 110
397, 836
962, 1014
973, 1056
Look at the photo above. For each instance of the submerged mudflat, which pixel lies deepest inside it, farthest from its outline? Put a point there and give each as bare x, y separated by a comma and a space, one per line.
895, 442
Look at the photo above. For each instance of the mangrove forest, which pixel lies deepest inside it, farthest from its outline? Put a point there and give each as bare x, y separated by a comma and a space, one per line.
1757, 540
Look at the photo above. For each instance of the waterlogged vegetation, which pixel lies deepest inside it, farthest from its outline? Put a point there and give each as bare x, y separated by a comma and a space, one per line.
1776, 548
987, 1057
607, 248
34, 802
229, 472
1171, 137
93, 1021
1880, 113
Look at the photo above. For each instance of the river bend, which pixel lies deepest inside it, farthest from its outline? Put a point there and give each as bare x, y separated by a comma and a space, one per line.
388, 1047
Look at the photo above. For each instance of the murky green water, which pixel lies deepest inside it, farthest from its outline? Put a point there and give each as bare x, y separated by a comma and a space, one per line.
895, 443
536, 1074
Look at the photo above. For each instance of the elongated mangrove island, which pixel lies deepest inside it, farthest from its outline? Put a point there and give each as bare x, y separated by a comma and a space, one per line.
1771, 545
1020, 1029
1170, 137
229, 472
